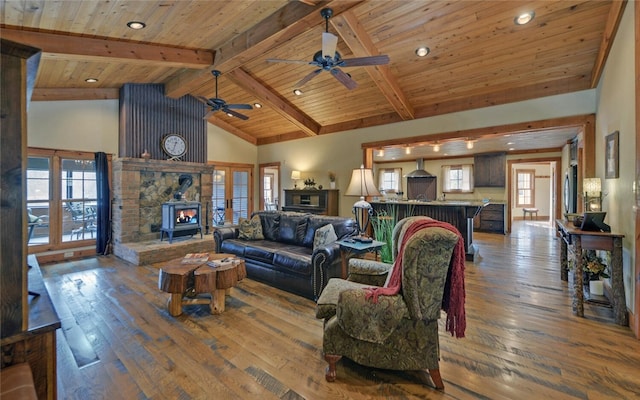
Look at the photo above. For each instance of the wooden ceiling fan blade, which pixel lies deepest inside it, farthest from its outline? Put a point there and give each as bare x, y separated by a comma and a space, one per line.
364, 61
287, 61
240, 106
329, 44
344, 79
209, 114
202, 99
235, 114
308, 78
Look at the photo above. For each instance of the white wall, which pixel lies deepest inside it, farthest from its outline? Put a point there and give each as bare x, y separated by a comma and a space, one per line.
225, 147
616, 112
74, 125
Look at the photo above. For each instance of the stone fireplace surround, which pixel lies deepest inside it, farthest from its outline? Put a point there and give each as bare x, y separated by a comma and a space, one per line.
140, 186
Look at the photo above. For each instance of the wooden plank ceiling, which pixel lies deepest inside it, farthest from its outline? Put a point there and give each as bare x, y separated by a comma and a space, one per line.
478, 58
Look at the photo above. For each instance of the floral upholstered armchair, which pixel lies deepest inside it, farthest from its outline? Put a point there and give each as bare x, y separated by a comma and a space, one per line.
395, 331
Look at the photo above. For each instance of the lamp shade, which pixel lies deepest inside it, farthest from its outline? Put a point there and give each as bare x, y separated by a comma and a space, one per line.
592, 186
362, 183
295, 174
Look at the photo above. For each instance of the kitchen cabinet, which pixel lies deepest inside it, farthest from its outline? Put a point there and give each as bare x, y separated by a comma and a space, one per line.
489, 170
490, 219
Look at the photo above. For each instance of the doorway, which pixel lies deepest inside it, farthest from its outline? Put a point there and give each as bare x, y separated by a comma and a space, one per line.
270, 186
534, 188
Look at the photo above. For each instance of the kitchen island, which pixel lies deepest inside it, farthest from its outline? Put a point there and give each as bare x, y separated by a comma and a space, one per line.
458, 213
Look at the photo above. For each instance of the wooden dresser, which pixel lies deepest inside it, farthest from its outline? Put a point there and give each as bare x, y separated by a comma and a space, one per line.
315, 201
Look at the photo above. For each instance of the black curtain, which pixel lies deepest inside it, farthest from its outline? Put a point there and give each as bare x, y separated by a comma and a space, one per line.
103, 236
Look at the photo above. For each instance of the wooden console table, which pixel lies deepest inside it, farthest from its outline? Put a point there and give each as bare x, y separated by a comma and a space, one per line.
36, 345
588, 240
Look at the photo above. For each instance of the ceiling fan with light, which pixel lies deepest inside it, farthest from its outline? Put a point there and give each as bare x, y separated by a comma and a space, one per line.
217, 104
328, 59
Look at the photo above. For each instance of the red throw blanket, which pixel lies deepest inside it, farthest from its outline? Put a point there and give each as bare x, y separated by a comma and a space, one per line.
454, 294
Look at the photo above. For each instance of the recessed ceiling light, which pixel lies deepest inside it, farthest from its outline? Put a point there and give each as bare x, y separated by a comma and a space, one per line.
136, 25
422, 51
524, 18
257, 105
509, 143
91, 80
297, 92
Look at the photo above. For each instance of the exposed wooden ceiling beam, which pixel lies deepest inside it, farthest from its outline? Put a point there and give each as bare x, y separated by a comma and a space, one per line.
290, 21
494, 131
360, 43
613, 22
89, 49
232, 129
279, 104
281, 138
47, 94
376, 120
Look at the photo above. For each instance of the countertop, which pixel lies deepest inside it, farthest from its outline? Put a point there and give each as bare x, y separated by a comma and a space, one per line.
466, 203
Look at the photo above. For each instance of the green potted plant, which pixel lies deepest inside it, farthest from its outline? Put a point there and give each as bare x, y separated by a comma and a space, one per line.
594, 270
383, 223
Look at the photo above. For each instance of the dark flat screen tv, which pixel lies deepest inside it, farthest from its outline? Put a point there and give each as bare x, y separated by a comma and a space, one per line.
594, 221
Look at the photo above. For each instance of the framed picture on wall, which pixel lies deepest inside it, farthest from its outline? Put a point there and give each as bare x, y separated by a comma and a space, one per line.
612, 156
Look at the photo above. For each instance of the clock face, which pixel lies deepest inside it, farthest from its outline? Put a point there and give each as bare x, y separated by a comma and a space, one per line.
174, 145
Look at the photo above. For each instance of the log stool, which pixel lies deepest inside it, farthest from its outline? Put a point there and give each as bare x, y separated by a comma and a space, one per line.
529, 211
185, 281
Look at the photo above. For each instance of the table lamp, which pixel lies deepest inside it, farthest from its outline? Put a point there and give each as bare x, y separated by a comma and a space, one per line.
295, 175
592, 194
362, 185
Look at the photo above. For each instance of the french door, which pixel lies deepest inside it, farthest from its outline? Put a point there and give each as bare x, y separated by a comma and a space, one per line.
232, 197
61, 199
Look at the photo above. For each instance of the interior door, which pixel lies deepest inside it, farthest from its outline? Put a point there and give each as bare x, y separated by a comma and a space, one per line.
232, 194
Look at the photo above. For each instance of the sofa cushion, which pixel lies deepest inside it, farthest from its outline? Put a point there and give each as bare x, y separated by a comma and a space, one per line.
250, 229
292, 228
270, 224
324, 236
233, 246
343, 227
293, 260
260, 251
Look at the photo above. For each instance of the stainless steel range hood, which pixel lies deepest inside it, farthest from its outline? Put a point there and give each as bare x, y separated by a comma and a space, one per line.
419, 172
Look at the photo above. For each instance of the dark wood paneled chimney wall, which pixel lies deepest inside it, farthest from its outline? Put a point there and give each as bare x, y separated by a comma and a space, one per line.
147, 115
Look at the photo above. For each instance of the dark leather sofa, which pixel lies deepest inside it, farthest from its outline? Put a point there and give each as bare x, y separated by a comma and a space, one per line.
285, 258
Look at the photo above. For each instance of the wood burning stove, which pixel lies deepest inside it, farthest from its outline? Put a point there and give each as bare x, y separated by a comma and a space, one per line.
181, 217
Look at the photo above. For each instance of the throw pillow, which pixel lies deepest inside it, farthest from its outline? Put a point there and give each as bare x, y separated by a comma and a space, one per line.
324, 236
250, 229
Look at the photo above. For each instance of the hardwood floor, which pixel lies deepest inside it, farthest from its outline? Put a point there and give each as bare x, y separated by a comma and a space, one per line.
522, 341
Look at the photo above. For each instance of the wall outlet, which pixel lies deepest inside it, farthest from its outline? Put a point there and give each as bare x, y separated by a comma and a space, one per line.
68, 254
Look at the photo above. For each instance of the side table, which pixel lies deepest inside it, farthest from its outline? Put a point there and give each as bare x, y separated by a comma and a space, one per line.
351, 248
578, 240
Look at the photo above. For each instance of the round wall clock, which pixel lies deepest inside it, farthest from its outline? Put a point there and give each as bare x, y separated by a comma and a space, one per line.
174, 145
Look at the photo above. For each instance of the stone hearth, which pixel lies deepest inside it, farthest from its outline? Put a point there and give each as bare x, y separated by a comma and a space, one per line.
139, 188
154, 251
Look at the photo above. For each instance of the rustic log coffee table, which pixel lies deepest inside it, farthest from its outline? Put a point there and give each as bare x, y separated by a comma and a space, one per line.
185, 281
